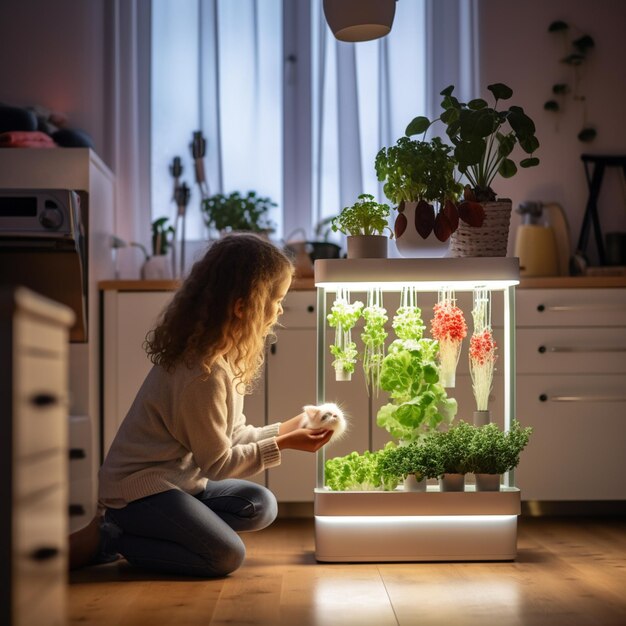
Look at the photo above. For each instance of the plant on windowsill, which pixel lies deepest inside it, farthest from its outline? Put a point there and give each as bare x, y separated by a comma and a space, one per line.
364, 223
420, 179
235, 212
484, 138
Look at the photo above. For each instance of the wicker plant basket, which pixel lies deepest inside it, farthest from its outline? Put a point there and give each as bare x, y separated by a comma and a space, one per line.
490, 239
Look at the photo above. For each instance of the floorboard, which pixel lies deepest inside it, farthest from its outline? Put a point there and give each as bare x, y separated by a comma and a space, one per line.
568, 571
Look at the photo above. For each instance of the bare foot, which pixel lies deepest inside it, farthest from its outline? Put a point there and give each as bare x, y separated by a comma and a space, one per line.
84, 544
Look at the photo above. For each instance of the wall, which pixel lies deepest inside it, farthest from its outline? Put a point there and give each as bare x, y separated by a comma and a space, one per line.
516, 49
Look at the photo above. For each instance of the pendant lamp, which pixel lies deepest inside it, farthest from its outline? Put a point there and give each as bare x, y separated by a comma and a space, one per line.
359, 20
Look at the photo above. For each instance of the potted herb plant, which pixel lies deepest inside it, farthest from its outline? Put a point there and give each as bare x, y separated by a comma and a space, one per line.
364, 223
415, 463
235, 212
484, 138
454, 450
420, 179
158, 265
492, 452
342, 317
409, 373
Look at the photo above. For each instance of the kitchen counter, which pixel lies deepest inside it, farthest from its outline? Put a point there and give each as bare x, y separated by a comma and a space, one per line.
303, 284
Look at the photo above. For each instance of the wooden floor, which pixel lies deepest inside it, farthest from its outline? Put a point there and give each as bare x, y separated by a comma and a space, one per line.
569, 571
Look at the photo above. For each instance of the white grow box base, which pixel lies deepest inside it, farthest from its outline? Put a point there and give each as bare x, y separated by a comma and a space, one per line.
377, 526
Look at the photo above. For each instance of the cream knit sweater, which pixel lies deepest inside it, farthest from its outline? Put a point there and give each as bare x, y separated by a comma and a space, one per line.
183, 428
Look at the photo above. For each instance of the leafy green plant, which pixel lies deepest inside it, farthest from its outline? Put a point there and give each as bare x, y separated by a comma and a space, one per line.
419, 458
162, 236
422, 172
373, 338
361, 472
409, 373
234, 212
493, 451
575, 55
454, 448
364, 217
342, 317
484, 138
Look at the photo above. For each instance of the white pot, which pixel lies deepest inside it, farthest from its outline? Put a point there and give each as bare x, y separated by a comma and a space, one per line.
341, 375
452, 482
367, 246
487, 482
412, 484
157, 267
412, 245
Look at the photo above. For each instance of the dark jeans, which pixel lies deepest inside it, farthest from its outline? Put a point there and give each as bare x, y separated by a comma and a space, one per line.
177, 533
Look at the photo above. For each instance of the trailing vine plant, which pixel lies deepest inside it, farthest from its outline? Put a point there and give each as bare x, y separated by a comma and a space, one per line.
373, 338
575, 54
342, 317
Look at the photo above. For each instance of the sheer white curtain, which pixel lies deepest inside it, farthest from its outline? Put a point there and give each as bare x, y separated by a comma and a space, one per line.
286, 109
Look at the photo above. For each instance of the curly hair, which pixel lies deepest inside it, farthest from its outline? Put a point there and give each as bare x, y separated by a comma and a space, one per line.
200, 323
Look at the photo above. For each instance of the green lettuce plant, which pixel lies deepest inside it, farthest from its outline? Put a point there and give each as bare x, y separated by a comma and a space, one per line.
409, 373
361, 472
493, 451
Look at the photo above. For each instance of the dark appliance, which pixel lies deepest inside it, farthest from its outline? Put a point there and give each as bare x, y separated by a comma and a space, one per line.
43, 247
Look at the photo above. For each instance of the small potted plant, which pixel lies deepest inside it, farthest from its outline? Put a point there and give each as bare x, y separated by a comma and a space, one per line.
420, 179
235, 212
484, 138
454, 450
415, 463
158, 266
364, 223
492, 452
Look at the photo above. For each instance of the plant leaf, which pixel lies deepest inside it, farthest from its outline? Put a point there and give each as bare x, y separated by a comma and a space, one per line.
587, 134
449, 115
507, 168
500, 91
557, 26
573, 59
551, 105
532, 162
424, 218
476, 104
442, 227
447, 91
520, 122
584, 43
529, 144
472, 213
417, 126
560, 89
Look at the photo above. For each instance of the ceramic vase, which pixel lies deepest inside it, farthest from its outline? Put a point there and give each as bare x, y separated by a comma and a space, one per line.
412, 245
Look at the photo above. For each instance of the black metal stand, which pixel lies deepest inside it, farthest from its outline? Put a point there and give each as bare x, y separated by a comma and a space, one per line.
594, 181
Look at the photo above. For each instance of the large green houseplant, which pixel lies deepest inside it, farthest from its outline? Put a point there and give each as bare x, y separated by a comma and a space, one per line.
484, 138
236, 212
420, 178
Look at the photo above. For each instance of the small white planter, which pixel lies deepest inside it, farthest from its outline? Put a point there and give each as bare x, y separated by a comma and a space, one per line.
412, 484
452, 482
157, 267
341, 375
367, 246
487, 482
412, 245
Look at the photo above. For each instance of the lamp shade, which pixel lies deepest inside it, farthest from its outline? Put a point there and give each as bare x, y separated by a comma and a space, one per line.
359, 20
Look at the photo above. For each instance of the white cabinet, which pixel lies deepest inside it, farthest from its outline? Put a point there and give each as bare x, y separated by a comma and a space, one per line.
34, 399
571, 386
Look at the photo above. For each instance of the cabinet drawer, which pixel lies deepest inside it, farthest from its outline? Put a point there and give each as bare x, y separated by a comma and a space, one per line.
40, 474
576, 451
571, 307
40, 420
33, 334
571, 350
40, 538
299, 310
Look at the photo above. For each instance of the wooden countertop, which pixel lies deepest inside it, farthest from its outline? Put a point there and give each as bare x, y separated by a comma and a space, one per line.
303, 284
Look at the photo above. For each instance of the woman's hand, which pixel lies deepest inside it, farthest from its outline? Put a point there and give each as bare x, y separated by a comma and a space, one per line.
305, 439
290, 425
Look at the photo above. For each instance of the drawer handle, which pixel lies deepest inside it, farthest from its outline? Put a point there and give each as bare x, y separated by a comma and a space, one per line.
310, 308
44, 553
544, 349
580, 307
77, 453
44, 399
75, 510
545, 398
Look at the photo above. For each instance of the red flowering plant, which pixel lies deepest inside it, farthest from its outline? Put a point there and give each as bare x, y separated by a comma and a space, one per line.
448, 327
482, 350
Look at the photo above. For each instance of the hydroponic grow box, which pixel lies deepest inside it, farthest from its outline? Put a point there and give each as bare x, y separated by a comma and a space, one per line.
353, 526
